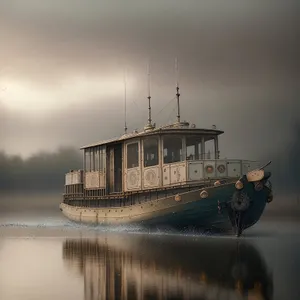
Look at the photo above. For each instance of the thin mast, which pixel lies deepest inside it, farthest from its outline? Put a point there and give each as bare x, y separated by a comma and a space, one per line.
149, 98
177, 90
125, 103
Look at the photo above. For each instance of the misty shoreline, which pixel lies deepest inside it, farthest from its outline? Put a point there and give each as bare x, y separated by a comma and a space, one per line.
38, 181
45, 171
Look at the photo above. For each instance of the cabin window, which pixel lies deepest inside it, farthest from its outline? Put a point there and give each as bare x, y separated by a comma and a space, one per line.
93, 159
132, 155
101, 159
87, 160
193, 146
150, 152
172, 149
210, 149
97, 157
190, 152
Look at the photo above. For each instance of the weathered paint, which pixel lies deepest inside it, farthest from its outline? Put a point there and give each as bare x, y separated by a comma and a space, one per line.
191, 210
151, 177
74, 177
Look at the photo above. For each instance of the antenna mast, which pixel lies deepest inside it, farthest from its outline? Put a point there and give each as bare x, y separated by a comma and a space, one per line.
125, 104
177, 90
149, 98
149, 125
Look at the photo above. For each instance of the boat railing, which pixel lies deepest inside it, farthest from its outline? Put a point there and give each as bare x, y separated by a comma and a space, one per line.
182, 172
172, 174
74, 177
123, 199
216, 168
201, 156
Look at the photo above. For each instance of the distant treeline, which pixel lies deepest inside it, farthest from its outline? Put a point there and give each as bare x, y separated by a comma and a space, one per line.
42, 171
45, 171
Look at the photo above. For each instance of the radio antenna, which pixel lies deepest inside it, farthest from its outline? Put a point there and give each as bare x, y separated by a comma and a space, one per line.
177, 90
149, 126
125, 103
149, 98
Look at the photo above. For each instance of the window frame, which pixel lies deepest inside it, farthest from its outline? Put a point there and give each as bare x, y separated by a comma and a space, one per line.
181, 155
87, 154
156, 154
138, 152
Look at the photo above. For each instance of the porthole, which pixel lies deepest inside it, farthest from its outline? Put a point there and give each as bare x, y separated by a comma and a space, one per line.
209, 169
221, 168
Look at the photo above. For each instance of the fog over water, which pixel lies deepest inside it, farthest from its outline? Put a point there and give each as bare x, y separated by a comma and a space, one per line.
62, 69
62, 79
62, 66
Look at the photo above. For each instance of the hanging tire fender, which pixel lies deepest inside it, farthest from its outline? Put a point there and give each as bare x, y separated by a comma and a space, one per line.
240, 201
258, 185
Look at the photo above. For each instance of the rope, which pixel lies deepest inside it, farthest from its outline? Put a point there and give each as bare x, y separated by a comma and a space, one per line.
165, 106
173, 111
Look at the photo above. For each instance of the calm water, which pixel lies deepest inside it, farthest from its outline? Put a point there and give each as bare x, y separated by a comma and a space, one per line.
44, 256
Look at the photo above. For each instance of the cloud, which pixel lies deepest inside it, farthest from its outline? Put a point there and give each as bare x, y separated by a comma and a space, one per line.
252, 125
62, 67
235, 42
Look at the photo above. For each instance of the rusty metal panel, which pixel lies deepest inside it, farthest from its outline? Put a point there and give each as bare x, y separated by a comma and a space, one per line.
178, 173
166, 175
195, 170
133, 179
151, 177
92, 180
234, 168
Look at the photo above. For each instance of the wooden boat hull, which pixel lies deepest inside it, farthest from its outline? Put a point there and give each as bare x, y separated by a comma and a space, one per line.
208, 208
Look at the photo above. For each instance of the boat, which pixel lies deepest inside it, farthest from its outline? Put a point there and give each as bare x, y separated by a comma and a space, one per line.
170, 176
143, 266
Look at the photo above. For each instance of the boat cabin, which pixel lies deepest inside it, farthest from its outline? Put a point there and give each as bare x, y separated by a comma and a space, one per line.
169, 156
156, 158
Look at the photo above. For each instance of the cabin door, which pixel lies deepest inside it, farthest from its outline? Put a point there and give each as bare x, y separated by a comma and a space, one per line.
114, 167
118, 168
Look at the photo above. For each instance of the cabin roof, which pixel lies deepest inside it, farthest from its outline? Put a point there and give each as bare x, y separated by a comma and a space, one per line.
169, 129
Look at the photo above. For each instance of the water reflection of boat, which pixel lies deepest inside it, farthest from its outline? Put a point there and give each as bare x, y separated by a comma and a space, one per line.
149, 267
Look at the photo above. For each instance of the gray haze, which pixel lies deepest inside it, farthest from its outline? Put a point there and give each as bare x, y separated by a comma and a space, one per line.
62, 65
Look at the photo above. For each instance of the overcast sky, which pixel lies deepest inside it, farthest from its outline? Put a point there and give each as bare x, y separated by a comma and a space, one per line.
62, 67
